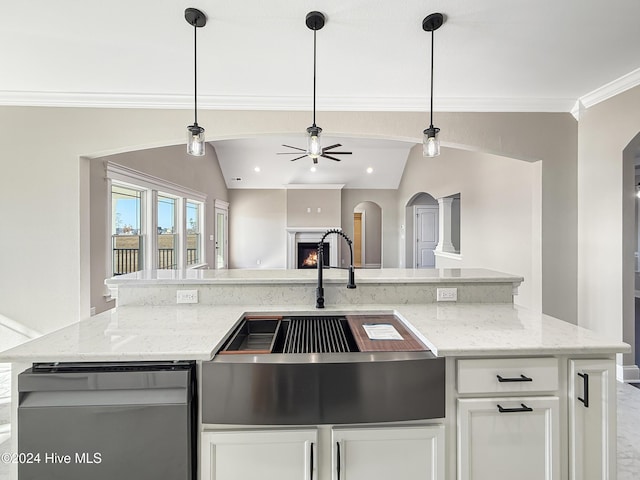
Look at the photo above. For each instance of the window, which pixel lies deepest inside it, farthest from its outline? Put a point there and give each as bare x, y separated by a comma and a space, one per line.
155, 224
194, 240
167, 234
126, 230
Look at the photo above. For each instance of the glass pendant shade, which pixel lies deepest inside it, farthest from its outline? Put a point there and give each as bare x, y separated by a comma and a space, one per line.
195, 140
314, 142
430, 142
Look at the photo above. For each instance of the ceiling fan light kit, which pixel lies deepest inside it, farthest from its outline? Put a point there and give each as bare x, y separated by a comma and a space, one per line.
195, 133
315, 21
430, 141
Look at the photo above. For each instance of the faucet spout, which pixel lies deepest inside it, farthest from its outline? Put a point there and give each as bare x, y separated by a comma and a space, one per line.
351, 282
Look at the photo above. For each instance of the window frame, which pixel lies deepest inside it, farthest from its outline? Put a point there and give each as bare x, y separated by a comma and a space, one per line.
151, 187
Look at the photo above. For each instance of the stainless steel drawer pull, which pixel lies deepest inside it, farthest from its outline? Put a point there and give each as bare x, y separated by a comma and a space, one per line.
585, 379
523, 408
521, 378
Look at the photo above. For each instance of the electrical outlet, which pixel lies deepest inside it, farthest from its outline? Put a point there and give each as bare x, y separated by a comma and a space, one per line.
446, 294
187, 296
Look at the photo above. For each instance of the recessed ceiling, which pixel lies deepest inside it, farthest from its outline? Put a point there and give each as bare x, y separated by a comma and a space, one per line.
240, 158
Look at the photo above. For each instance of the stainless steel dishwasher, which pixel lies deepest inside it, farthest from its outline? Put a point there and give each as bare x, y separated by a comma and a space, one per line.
122, 420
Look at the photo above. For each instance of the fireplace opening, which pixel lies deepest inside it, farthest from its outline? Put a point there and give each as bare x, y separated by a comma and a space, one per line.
308, 254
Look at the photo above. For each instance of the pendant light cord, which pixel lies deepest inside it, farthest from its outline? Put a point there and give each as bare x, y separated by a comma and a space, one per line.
195, 73
314, 78
432, 39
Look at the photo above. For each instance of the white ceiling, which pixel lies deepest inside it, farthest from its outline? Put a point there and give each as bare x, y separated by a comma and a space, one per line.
491, 55
239, 159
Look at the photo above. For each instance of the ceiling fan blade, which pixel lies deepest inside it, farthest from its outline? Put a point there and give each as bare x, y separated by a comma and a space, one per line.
297, 148
341, 153
332, 146
294, 159
330, 158
289, 153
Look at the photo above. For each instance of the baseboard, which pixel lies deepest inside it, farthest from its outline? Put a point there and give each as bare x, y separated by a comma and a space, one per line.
627, 373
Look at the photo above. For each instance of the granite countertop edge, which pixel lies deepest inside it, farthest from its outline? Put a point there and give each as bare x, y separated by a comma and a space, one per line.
196, 332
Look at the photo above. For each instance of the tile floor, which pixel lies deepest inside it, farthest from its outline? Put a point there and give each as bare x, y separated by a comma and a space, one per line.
628, 435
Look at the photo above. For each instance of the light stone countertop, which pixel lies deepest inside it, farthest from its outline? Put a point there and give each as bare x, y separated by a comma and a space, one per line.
285, 276
195, 332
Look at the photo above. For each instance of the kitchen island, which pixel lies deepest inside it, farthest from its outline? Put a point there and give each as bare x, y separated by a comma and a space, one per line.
542, 428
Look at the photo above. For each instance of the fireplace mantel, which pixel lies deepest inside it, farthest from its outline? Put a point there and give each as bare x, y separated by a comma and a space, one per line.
310, 234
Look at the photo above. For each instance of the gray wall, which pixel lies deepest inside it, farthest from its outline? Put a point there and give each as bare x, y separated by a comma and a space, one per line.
303, 205
171, 163
44, 190
372, 238
387, 200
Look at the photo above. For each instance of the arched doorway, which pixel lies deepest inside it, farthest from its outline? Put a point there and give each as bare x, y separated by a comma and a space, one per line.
367, 235
631, 249
422, 213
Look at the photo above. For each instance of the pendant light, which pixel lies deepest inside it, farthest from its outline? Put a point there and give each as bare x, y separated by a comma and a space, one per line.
430, 141
195, 133
315, 21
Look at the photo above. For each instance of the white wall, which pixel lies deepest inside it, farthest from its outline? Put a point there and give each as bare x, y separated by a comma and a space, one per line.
44, 189
499, 210
257, 228
606, 222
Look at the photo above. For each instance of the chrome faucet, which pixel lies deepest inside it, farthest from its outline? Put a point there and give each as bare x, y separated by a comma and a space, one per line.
351, 283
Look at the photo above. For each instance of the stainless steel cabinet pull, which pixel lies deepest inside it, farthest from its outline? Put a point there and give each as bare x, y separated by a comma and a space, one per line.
585, 379
521, 378
523, 408
338, 459
311, 463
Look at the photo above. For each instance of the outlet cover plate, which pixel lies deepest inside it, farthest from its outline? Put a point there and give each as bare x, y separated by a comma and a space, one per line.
447, 294
187, 296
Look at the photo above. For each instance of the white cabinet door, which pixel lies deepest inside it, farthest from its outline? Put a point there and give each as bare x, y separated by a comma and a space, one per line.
258, 454
406, 453
508, 438
592, 419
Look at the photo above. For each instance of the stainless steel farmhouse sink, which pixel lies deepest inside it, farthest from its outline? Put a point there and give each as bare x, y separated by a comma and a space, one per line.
322, 369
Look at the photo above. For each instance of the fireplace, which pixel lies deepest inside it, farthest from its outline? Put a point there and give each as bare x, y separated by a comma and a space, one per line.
308, 254
312, 235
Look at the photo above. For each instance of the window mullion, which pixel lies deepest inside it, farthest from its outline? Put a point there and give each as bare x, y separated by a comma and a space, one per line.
151, 244
182, 232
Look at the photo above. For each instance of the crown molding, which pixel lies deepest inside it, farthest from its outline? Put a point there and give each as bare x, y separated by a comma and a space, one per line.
611, 89
289, 103
314, 186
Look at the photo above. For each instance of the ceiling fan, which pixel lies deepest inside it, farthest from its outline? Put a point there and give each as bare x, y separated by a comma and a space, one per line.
315, 21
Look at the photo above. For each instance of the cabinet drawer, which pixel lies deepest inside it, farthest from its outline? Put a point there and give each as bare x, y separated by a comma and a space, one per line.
507, 375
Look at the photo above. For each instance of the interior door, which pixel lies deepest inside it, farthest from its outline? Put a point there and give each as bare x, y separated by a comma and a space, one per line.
426, 233
221, 238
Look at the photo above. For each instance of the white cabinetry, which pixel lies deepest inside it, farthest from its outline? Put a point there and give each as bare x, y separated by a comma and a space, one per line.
512, 434
258, 454
407, 453
592, 433
508, 438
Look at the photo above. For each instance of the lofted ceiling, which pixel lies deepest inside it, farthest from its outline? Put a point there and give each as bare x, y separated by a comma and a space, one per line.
493, 55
